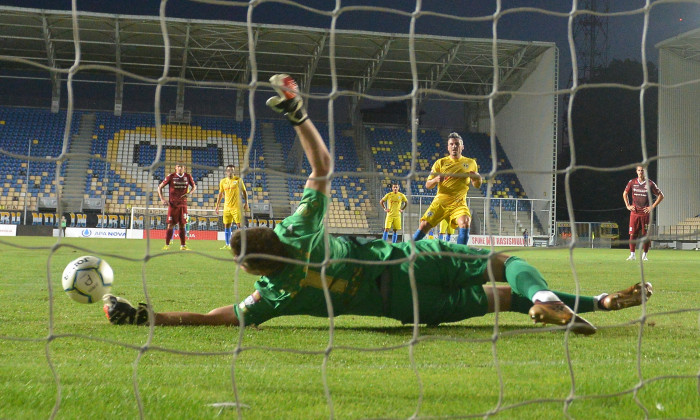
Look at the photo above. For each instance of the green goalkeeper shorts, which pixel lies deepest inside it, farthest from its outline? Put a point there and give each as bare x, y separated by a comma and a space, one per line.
450, 289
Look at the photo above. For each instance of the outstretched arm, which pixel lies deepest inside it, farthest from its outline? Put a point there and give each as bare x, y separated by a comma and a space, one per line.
318, 156
120, 311
219, 316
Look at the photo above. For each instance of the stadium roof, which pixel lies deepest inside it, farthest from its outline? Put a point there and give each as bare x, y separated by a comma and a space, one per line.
218, 51
686, 45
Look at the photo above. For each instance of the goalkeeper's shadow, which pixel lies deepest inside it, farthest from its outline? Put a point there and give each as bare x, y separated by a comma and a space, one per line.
453, 330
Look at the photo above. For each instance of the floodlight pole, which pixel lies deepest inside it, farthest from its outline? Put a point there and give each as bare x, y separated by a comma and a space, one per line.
26, 185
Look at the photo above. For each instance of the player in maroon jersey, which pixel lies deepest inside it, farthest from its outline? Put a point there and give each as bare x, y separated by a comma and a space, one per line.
640, 209
180, 183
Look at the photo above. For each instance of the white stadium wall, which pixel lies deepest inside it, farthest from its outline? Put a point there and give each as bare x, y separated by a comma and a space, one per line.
525, 127
679, 134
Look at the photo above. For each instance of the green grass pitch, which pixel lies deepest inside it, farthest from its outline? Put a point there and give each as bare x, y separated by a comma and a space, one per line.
465, 368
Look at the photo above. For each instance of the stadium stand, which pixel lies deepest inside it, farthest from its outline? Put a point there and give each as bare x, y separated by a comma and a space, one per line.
206, 146
349, 201
391, 148
20, 127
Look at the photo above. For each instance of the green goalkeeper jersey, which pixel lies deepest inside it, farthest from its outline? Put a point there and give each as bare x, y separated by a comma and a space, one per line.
449, 286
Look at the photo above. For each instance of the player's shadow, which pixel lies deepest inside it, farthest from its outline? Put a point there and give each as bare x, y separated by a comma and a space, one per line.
407, 329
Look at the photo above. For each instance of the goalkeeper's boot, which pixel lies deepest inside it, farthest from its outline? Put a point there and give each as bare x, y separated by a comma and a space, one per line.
184, 248
559, 314
120, 311
226, 247
288, 101
632, 296
166, 248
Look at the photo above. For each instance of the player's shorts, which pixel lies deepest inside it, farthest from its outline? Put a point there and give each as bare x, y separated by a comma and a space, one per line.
639, 223
392, 222
231, 215
446, 227
176, 215
449, 289
450, 212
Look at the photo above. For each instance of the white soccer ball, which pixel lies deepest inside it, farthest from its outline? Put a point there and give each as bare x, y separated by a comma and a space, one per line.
87, 279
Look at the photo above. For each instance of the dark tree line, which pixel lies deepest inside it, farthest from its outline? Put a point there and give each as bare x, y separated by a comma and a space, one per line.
606, 133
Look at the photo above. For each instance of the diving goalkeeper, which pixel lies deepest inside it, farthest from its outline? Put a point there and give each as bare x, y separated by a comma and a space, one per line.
449, 288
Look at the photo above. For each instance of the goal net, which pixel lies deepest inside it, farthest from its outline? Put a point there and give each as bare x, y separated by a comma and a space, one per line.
384, 102
201, 223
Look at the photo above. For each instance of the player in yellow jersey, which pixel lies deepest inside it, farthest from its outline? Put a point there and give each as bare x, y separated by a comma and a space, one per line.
233, 188
452, 176
396, 204
446, 231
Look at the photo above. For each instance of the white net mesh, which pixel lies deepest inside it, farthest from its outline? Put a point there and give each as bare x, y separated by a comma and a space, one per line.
418, 350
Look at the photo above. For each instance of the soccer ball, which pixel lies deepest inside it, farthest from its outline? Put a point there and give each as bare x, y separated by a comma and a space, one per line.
87, 279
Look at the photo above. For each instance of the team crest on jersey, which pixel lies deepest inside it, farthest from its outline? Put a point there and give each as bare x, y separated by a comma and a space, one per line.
301, 210
429, 214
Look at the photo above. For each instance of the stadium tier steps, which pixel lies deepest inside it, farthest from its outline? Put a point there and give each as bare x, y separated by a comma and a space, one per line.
33, 180
76, 167
689, 227
206, 146
276, 164
391, 147
349, 201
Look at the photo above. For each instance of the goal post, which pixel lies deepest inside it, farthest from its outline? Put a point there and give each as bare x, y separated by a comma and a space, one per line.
497, 363
203, 223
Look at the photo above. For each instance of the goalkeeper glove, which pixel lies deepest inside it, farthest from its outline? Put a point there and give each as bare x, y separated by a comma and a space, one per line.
120, 311
288, 101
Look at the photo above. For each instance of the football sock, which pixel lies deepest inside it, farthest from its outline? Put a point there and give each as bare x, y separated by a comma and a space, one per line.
519, 303
183, 237
463, 237
418, 235
523, 278
447, 237
633, 244
599, 299
522, 304
585, 303
394, 238
545, 296
385, 235
645, 248
168, 236
227, 235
